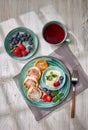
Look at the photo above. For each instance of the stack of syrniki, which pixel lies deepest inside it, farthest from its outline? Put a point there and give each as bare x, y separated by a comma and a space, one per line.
31, 82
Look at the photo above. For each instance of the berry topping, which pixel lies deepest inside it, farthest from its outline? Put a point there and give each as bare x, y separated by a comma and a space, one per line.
43, 94
46, 97
56, 84
53, 95
48, 92
61, 77
45, 89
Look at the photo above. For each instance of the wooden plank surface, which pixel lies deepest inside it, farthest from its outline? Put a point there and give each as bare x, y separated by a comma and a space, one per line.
14, 113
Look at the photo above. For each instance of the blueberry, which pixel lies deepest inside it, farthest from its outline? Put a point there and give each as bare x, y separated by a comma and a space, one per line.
25, 34
48, 92
45, 89
21, 35
16, 34
15, 42
26, 39
28, 36
22, 39
60, 81
28, 49
53, 95
30, 43
11, 39
18, 39
61, 78
30, 39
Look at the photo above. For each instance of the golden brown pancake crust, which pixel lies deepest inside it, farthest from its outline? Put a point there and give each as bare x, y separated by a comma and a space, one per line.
34, 72
41, 64
34, 93
30, 82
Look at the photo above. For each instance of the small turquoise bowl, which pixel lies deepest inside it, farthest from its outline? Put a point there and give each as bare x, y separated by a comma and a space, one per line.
43, 79
21, 30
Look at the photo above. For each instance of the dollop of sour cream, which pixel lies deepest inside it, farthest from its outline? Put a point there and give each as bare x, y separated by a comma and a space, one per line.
51, 77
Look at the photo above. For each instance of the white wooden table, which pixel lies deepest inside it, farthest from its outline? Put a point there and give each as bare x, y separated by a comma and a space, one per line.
14, 113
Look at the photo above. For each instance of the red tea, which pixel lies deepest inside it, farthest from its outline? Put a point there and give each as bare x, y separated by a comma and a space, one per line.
54, 33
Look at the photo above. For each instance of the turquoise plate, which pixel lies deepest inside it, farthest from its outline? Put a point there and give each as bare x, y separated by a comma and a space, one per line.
52, 62
25, 30
43, 80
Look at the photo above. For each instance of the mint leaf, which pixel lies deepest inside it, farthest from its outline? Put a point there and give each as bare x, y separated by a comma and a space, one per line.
61, 94
55, 92
54, 75
57, 97
51, 72
49, 77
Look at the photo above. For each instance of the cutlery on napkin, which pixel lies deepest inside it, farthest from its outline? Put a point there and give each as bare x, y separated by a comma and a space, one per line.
74, 81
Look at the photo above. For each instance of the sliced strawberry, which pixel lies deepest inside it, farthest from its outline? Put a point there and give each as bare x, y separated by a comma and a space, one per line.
46, 97
17, 52
24, 53
21, 46
19, 55
43, 94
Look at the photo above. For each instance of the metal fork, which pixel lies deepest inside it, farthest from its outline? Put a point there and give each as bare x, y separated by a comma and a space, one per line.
74, 81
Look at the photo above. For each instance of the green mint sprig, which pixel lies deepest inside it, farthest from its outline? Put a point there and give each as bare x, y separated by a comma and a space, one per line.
51, 76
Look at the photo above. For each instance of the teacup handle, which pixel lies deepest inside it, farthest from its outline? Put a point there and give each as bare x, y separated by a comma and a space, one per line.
67, 40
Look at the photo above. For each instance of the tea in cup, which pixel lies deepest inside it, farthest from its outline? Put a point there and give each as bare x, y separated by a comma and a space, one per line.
55, 33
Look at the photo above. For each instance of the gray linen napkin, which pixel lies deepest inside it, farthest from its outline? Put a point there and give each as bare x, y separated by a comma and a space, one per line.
64, 54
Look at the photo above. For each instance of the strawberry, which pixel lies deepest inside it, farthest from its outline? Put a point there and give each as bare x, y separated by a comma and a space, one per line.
17, 52
43, 94
19, 55
56, 84
21, 46
46, 97
24, 52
